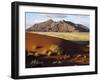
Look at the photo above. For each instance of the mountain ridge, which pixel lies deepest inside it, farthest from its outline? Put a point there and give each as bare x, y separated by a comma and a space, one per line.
58, 26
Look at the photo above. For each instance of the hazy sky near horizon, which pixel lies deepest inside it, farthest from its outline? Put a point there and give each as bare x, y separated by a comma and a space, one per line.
32, 18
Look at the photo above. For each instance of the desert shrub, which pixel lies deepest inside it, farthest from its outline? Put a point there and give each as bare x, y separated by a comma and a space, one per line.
57, 62
56, 49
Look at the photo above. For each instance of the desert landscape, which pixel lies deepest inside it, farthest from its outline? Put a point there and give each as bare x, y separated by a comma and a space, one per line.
61, 43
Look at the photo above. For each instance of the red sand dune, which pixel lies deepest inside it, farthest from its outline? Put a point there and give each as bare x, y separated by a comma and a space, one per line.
33, 40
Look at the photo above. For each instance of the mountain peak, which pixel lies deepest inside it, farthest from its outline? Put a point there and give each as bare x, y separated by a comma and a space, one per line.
50, 20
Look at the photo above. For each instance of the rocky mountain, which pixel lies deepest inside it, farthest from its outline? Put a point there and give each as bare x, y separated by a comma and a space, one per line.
59, 26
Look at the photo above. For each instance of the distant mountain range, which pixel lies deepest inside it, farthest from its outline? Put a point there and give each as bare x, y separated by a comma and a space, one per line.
59, 26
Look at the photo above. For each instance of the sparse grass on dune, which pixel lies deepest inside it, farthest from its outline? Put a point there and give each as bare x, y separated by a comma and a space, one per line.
74, 36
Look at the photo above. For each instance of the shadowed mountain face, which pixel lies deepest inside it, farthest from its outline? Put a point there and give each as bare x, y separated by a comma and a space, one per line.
60, 26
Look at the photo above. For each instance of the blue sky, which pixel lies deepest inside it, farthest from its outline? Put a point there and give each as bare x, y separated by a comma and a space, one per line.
32, 18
